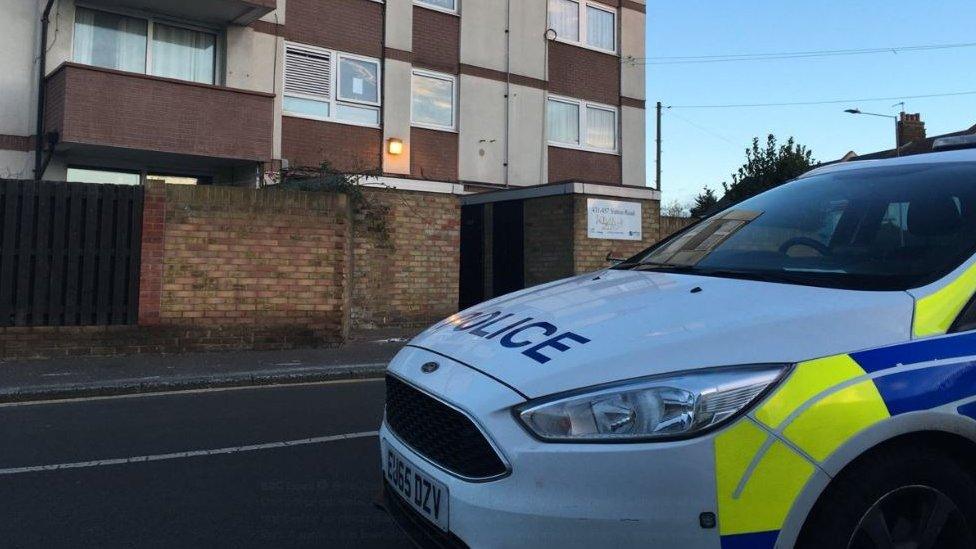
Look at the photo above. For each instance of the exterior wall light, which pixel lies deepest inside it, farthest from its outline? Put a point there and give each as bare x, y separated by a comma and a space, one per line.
394, 146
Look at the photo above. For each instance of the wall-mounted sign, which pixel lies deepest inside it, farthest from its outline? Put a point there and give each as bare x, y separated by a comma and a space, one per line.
613, 220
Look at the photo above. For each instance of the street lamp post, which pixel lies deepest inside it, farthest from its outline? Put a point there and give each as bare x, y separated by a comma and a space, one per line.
893, 117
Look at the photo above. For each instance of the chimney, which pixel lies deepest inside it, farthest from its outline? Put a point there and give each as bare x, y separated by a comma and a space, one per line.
910, 128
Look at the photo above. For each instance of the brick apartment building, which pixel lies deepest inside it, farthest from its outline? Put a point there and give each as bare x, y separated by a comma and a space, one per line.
430, 93
491, 127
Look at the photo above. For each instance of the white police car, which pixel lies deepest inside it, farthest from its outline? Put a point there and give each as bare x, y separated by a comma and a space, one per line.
798, 370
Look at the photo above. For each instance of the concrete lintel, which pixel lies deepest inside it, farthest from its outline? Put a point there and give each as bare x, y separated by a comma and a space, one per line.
539, 191
420, 185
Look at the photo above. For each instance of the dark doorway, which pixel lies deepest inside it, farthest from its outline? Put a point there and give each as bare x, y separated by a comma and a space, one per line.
508, 248
472, 275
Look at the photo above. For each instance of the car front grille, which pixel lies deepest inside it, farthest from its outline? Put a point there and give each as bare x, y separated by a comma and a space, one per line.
440, 433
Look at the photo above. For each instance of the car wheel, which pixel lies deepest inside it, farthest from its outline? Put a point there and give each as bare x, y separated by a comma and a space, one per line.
904, 497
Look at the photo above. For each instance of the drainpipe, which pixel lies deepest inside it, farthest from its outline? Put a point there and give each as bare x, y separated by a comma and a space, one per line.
42, 69
508, 90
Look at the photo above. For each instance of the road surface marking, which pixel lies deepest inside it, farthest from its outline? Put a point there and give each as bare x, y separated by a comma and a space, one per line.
191, 391
189, 454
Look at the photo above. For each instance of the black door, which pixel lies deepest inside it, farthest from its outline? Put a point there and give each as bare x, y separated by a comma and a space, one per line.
508, 248
472, 275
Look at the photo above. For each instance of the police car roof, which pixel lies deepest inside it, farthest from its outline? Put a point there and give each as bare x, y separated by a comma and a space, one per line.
962, 155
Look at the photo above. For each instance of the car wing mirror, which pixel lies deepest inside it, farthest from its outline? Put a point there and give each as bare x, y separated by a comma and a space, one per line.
611, 259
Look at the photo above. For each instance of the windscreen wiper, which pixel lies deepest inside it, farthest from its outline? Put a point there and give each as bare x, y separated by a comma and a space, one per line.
658, 265
761, 276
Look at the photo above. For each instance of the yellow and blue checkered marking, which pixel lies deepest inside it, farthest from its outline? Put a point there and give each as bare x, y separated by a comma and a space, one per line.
764, 461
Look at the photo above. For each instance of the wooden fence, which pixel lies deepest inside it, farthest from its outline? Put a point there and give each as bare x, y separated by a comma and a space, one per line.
69, 253
671, 225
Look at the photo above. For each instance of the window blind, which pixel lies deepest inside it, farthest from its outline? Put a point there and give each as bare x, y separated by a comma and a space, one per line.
308, 72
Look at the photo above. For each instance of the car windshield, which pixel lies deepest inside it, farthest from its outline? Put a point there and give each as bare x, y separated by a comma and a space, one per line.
872, 228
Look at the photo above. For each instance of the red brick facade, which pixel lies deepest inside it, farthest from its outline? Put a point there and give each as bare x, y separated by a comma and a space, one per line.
94, 106
436, 40
354, 26
151, 269
16, 143
434, 154
584, 74
350, 148
584, 166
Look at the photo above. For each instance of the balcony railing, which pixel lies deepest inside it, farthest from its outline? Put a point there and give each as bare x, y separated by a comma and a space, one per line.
97, 107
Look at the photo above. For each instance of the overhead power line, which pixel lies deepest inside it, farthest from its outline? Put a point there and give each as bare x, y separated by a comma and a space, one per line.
726, 58
703, 129
825, 102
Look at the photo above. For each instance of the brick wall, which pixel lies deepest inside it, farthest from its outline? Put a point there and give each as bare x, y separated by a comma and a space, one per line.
407, 275
436, 40
350, 148
354, 26
258, 258
434, 154
151, 268
227, 268
591, 167
589, 254
548, 239
96, 106
583, 73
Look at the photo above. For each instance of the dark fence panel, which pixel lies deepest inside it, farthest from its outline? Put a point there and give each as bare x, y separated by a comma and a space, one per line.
69, 253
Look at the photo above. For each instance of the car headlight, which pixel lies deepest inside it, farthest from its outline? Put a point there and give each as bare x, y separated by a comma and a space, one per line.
661, 407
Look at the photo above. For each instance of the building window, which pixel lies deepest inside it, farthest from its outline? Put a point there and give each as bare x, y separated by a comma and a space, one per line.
564, 19
582, 125
112, 41
433, 100
183, 54
584, 23
108, 177
564, 122
442, 5
134, 44
350, 94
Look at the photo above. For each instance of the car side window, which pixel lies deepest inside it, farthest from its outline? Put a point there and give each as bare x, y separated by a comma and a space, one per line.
967, 318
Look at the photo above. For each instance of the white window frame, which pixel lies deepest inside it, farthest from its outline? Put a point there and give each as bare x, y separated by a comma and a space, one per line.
150, 31
435, 7
454, 101
583, 105
582, 18
334, 100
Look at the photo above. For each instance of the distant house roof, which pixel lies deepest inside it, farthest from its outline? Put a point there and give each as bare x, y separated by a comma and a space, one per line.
912, 147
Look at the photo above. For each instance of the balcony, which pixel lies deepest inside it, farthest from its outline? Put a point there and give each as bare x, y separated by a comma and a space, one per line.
215, 12
103, 111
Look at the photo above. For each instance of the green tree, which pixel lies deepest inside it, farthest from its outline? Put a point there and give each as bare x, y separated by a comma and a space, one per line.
703, 202
768, 167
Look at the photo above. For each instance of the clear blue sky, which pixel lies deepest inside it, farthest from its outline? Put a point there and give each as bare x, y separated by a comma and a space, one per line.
704, 146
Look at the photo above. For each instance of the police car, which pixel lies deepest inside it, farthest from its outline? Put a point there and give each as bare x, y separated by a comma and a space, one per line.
798, 370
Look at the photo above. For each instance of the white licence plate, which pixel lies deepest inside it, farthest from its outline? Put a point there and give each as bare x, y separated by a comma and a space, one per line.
426, 495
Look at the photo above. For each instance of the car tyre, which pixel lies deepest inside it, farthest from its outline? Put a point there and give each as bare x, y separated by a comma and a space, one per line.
897, 496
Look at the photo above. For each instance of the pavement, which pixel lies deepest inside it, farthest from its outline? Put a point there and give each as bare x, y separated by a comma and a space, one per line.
97, 376
262, 466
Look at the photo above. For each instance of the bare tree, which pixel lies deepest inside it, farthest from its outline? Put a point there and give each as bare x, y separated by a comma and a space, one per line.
674, 209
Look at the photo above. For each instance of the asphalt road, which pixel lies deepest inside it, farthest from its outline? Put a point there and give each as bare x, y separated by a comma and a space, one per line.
256, 494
